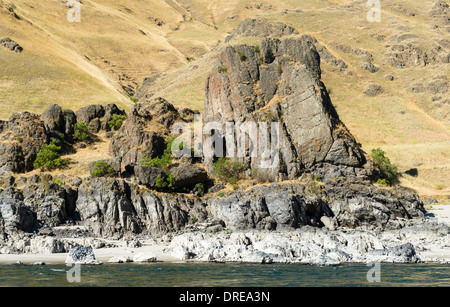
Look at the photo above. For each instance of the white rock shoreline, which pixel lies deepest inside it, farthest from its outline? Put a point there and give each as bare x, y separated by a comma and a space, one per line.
426, 240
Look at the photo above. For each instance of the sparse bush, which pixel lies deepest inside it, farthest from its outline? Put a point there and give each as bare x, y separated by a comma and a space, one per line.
257, 49
116, 121
200, 189
317, 178
80, 131
49, 158
229, 171
58, 182
382, 182
164, 162
388, 171
163, 183
102, 168
221, 69
242, 57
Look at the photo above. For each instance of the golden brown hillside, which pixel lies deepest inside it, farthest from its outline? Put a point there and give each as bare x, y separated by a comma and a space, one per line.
389, 81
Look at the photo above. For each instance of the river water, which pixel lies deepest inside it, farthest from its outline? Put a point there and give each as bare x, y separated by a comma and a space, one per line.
162, 274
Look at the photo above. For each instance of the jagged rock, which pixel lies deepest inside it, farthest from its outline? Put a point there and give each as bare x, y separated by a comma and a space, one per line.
440, 12
98, 116
15, 216
143, 133
373, 90
404, 253
188, 175
70, 119
82, 255
21, 138
261, 28
114, 166
53, 204
11, 45
281, 83
147, 174
53, 118
144, 257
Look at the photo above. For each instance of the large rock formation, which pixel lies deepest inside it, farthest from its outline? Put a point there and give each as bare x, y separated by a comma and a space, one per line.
143, 134
281, 82
21, 138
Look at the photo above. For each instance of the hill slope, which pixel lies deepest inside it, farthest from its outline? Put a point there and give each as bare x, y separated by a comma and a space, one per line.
388, 80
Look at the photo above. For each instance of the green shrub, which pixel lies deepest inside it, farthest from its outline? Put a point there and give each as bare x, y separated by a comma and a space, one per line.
164, 162
388, 171
221, 69
163, 183
229, 171
49, 158
317, 178
134, 99
257, 49
102, 168
382, 182
116, 121
80, 131
242, 57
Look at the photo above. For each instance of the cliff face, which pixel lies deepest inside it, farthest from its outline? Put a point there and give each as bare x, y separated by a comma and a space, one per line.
280, 81
277, 81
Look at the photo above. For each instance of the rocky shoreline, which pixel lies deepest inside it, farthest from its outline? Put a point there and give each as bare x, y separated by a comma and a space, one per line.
321, 203
419, 241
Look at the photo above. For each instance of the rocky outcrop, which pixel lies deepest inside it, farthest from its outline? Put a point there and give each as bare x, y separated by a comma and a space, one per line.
11, 45
280, 82
144, 132
261, 28
21, 138
310, 245
98, 116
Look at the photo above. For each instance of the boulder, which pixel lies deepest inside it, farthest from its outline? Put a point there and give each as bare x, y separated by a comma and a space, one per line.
144, 132
261, 27
21, 138
15, 216
53, 119
98, 116
111, 167
147, 175
188, 175
82, 255
404, 253
144, 257
120, 259
11, 45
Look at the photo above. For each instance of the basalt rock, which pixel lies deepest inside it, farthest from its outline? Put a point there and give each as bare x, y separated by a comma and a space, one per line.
21, 138
143, 134
11, 45
280, 82
98, 116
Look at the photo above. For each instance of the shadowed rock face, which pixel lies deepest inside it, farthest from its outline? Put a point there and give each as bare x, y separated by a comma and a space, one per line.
280, 82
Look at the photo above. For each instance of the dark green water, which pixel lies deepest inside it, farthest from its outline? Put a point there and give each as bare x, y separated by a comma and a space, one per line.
226, 275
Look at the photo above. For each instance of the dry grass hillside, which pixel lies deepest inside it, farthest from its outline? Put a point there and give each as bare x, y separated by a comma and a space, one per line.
117, 44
